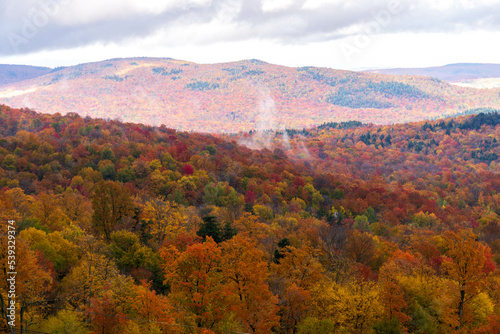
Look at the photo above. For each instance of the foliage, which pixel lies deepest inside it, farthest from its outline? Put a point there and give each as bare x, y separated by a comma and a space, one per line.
350, 228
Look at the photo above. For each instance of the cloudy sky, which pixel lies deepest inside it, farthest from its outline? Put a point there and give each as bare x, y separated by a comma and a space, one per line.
340, 34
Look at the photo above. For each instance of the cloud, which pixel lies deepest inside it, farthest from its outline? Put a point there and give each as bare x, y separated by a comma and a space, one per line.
30, 26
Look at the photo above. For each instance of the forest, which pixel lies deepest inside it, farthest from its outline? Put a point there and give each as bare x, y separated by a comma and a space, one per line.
338, 228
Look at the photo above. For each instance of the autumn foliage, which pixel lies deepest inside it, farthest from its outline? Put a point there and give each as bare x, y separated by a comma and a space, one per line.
340, 228
239, 96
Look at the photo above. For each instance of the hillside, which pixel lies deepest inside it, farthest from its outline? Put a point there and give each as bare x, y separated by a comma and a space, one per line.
15, 73
124, 228
237, 96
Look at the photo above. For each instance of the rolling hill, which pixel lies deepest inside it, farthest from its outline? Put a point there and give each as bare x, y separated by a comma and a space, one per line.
15, 73
243, 95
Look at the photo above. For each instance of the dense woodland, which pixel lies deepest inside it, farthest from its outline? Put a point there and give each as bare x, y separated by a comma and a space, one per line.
342, 228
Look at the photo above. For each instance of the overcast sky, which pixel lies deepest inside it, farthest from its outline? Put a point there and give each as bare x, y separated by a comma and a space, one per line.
340, 34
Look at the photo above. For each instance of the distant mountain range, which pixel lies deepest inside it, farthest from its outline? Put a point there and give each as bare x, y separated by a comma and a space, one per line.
15, 73
243, 95
453, 73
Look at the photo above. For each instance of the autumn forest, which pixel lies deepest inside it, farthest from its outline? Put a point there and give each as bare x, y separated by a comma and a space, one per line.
337, 228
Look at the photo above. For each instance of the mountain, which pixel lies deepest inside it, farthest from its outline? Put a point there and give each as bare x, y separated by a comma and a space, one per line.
15, 73
243, 95
462, 73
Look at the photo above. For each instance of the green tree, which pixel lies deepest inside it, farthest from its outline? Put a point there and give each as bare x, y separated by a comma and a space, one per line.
211, 228
130, 253
108, 172
214, 194
211, 149
9, 162
126, 175
107, 154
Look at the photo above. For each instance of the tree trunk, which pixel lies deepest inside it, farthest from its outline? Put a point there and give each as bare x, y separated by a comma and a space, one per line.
5, 312
461, 308
22, 318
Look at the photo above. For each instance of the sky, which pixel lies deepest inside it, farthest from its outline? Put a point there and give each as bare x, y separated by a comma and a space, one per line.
341, 34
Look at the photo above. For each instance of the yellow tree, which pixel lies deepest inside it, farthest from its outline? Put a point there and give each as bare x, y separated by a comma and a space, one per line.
245, 273
15, 204
353, 307
49, 213
90, 274
65, 322
299, 266
360, 305
32, 282
166, 220
467, 263
250, 226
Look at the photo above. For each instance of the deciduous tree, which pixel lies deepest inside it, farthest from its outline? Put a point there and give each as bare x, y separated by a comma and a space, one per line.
112, 204
468, 263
